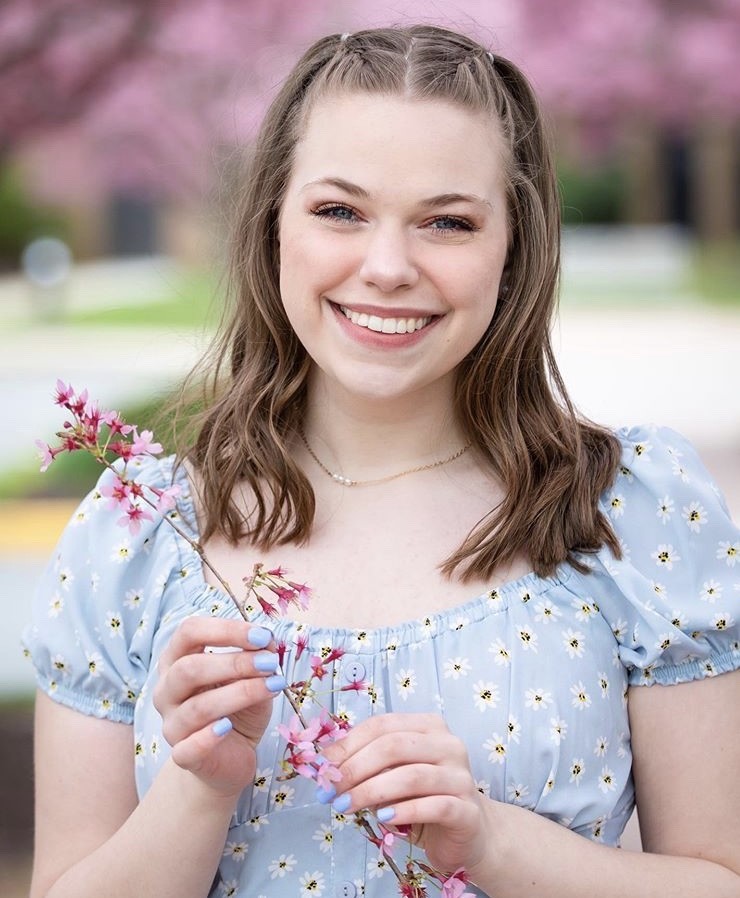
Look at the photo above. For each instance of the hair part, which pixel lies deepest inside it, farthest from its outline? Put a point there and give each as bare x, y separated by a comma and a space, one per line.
513, 405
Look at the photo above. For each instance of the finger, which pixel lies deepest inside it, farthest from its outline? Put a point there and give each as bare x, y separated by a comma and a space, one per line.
394, 750
400, 784
195, 633
191, 674
369, 730
214, 704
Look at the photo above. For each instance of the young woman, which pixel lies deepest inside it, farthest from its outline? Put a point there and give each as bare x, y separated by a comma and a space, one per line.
543, 612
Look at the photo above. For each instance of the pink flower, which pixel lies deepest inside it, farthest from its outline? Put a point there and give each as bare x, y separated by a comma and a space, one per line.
46, 454
116, 424
119, 492
454, 885
326, 773
354, 686
301, 642
135, 514
167, 498
318, 668
64, 395
143, 445
303, 593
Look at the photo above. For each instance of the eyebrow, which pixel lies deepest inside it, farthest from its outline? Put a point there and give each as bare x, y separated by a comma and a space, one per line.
441, 199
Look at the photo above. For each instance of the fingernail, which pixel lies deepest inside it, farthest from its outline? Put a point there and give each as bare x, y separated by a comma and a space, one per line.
222, 727
342, 803
266, 662
324, 796
259, 637
276, 683
384, 815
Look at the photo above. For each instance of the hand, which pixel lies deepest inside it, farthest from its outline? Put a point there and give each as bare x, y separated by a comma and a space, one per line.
197, 689
411, 765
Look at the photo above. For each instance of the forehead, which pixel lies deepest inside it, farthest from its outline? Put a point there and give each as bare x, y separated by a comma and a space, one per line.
382, 142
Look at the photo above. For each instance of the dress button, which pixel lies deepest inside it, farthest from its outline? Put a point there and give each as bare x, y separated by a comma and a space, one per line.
346, 889
354, 672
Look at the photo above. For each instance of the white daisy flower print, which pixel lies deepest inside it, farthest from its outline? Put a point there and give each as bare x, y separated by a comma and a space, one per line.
95, 665
513, 729
139, 751
665, 556
659, 589
695, 516
501, 654
485, 695
229, 887
283, 798
59, 663
710, 591
94, 581
115, 624
642, 450
606, 780
134, 598
601, 747
577, 769
665, 640
237, 851
666, 507
558, 729
154, 748
456, 667
619, 629
585, 610
581, 699
730, 552
56, 605
65, 577
573, 642
258, 822
537, 698
122, 552
517, 792
282, 865
722, 621
546, 612
616, 505
324, 837
377, 867
484, 787
496, 748
679, 471
528, 639
603, 684
262, 781
405, 683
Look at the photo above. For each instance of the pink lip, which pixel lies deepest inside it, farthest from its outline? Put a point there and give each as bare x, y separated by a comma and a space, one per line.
373, 339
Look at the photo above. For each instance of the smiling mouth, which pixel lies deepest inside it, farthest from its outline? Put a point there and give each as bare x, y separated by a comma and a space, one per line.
386, 325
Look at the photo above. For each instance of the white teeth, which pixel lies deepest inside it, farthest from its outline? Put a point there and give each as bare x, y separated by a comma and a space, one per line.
385, 325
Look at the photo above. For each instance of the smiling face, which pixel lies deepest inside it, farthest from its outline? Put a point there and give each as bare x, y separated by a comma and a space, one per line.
393, 240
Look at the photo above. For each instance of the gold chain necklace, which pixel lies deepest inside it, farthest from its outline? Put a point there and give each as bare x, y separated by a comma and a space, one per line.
346, 481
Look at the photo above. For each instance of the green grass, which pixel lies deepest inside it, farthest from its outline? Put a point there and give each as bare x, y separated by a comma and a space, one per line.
194, 303
715, 273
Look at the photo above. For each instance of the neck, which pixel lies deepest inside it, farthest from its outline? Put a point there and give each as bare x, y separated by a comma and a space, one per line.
367, 439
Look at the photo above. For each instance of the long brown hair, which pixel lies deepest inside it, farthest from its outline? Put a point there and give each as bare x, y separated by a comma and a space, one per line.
512, 402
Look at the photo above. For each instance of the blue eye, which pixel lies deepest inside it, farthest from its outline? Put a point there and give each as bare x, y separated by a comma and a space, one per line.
336, 212
451, 223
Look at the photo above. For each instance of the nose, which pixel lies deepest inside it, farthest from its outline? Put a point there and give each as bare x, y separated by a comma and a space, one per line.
388, 264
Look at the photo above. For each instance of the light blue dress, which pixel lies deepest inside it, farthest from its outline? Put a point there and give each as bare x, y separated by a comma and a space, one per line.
533, 676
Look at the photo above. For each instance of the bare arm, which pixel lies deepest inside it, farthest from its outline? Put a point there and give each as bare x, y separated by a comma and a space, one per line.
92, 836
686, 756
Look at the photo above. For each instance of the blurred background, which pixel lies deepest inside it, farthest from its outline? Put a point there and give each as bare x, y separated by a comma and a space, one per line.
124, 125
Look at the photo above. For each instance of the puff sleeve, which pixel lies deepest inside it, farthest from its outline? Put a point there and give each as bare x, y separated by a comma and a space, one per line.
98, 603
673, 599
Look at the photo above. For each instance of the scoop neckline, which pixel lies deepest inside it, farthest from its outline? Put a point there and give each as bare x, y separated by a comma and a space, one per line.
475, 609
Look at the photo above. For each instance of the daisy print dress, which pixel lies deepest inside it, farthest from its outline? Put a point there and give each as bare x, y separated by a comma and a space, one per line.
533, 676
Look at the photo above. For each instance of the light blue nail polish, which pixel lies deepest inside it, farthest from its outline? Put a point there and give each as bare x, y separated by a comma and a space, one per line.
324, 796
276, 683
222, 727
385, 815
259, 637
342, 803
266, 662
